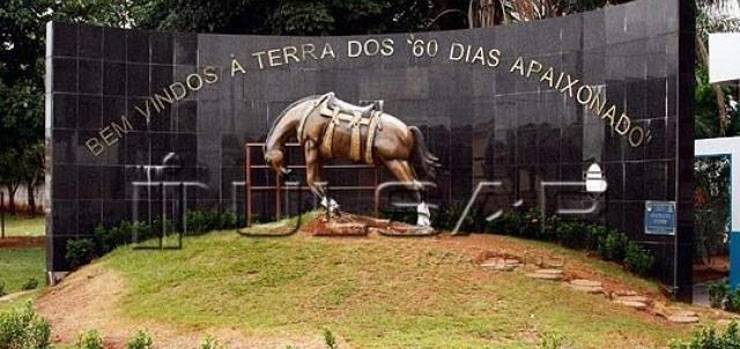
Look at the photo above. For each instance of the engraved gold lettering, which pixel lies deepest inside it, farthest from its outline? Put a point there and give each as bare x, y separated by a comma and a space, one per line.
387, 49
560, 81
518, 65
108, 136
197, 78
641, 136
307, 50
588, 95
183, 91
237, 67
146, 114
161, 99
453, 50
534, 67
623, 125
548, 76
211, 75
259, 60
479, 56
158, 108
494, 58
597, 108
122, 130
610, 114
372, 47
354, 48
569, 86
290, 52
94, 146
273, 56
328, 51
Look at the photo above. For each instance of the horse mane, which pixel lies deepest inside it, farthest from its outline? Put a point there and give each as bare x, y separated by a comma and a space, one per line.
282, 114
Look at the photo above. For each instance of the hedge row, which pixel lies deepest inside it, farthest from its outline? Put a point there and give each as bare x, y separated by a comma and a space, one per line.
105, 239
609, 244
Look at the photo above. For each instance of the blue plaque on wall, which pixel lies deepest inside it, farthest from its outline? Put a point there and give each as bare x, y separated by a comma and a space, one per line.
660, 217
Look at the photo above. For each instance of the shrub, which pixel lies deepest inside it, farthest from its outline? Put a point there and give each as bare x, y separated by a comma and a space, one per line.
717, 293
551, 226
2, 289
570, 234
30, 284
638, 259
80, 252
508, 224
330, 340
733, 300
140, 340
211, 343
199, 222
552, 341
613, 246
22, 328
90, 340
532, 224
594, 234
709, 338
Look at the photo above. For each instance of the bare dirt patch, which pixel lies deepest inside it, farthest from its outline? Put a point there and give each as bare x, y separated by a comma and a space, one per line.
23, 242
88, 299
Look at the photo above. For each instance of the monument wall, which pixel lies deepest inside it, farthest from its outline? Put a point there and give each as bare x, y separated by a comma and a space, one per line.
520, 104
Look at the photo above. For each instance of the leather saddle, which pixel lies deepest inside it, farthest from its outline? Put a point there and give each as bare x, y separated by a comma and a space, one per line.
334, 103
354, 117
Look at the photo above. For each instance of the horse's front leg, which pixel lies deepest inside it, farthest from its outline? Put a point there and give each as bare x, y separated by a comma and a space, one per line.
313, 169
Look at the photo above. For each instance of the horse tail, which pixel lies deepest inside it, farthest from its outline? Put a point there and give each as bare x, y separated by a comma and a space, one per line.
427, 160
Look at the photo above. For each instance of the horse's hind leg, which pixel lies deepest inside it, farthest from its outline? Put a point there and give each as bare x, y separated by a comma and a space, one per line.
405, 174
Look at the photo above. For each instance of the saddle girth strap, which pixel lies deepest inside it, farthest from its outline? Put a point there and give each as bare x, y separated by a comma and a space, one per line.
328, 141
370, 142
356, 138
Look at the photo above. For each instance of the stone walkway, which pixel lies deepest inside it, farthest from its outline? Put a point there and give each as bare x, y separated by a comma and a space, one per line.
554, 272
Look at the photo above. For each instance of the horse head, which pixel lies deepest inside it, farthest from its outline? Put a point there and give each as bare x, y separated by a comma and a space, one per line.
276, 159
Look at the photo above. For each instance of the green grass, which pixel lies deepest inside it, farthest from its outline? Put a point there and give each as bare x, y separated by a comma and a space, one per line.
371, 293
24, 226
20, 301
17, 265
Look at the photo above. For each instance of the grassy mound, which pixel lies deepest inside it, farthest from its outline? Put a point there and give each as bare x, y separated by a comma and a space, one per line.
376, 292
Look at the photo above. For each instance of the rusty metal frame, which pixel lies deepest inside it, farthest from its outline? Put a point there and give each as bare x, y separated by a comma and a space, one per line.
278, 187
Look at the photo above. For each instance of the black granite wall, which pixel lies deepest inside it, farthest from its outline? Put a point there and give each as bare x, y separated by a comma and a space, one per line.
484, 124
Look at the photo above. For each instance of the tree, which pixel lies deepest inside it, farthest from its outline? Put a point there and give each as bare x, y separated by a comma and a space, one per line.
10, 176
283, 17
32, 171
712, 17
488, 13
22, 49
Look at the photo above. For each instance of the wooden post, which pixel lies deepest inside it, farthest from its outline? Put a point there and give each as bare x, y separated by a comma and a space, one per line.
248, 185
375, 184
2, 215
278, 188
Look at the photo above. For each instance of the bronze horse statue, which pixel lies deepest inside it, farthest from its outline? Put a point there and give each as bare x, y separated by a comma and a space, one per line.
328, 127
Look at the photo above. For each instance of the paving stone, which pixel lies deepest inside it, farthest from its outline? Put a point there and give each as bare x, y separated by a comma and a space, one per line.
588, 286
633, 304
683, 319
341, 229
585, 283
500, 264
545, 275
640, 299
